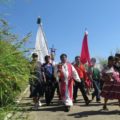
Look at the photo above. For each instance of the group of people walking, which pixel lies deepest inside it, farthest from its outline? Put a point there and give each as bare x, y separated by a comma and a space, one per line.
68, 77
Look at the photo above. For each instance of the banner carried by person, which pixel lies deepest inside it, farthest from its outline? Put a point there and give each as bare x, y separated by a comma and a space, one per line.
85, 56
41, 47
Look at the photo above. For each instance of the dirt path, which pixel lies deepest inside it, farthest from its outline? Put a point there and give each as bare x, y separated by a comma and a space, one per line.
56, 111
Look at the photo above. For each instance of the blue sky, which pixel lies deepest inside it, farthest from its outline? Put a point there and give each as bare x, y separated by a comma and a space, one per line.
64, 23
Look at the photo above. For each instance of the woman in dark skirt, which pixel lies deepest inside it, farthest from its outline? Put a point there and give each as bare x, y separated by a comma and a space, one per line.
111, 87
36, 80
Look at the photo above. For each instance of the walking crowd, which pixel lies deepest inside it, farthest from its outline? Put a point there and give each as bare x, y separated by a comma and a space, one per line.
67, 78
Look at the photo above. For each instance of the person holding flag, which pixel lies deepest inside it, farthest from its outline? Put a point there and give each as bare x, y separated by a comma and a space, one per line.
83, 76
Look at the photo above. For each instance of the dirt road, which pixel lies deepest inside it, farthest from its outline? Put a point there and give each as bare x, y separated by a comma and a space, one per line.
56, 111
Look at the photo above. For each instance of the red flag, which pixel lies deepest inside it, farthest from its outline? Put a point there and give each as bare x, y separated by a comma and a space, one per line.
85, 56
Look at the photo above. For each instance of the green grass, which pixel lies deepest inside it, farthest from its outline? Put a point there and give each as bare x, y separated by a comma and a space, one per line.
14, 68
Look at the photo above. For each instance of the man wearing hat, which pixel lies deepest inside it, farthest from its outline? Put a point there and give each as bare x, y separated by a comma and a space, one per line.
36, 80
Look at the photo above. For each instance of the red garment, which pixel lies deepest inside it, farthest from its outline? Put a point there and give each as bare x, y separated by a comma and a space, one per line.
111, 89
88, 83
83, 75
66, 90
85, 57
81, 71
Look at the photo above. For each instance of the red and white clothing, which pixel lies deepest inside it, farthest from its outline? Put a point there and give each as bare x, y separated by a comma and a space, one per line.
66, 74
111, 87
